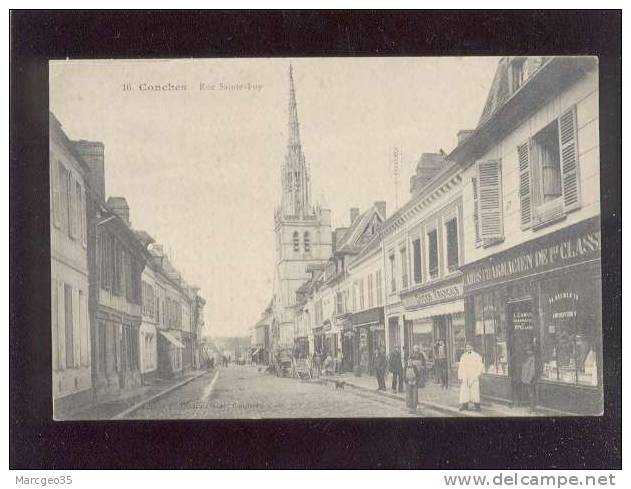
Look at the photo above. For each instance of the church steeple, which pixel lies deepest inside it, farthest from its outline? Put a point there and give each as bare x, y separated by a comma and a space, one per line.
296, 198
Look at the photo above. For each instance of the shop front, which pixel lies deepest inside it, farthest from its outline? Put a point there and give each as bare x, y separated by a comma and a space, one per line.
544, 296
330, 345
434, 321
318, 340
301, 347
368, 337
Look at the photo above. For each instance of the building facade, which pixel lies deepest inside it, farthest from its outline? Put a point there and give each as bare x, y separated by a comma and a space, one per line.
70, 333
531, 195
303, 232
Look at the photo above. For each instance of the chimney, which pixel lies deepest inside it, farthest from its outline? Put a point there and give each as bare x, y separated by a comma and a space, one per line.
337, 236
381, 207
464, 134
93, 153
354, 215
427, 168
120, 207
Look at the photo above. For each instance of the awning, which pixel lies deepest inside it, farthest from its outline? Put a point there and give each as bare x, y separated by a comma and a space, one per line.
454, 307
368, 317
172, 339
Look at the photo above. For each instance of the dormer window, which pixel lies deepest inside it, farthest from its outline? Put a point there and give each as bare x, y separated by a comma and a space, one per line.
518, 73
296, 241
307, 242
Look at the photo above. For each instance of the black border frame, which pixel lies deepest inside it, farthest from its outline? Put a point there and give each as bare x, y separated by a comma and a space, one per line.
36, 442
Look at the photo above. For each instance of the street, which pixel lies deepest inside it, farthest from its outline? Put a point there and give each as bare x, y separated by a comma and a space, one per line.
244, 392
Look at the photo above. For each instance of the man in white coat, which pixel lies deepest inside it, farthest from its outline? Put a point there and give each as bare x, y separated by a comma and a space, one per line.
469, 372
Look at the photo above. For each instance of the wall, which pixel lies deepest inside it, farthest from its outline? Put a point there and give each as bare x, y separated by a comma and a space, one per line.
584, 94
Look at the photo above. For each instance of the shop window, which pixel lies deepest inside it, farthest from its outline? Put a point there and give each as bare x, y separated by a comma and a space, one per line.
423, 337
571, 331
416, 250
404, 268
296, 241
451, 230
432, 251
490, 333
548, 172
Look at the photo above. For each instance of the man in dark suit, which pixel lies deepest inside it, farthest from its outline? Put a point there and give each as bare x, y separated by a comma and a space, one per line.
396, 367
381, 363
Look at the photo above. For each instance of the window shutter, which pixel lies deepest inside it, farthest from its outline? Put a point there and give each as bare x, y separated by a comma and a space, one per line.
476, 220
489, 176
83, 211
55, 186
569, 160
525, 186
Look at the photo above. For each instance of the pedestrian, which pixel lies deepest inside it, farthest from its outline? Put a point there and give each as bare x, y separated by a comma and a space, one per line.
441, 364
419, 361
529, 378
411, 387
396, 367
381, 363
469, 372
328, 366
318, 364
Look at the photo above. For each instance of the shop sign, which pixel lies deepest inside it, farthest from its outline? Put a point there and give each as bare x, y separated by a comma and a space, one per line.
522, 320
563, 305
535, 258
433, 296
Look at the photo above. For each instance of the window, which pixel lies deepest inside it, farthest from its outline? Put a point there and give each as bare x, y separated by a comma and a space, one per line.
307, 242
64, 177
393, 280
339, 302
79, 210
451, 230
432, 251
548, 169
296, 241
416, 250
56, 201
378, 280
571, 349
476, 220
370, 295
56, 336
490, 333
518, 73
118, 260
404, 267
69, 326
490, 222
361, 294
72, 207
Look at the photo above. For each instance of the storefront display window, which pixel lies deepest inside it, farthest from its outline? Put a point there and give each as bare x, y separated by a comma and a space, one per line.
490, 333
571, 323
459, 338
422, 335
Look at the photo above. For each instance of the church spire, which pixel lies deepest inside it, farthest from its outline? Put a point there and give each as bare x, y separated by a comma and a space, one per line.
296, 198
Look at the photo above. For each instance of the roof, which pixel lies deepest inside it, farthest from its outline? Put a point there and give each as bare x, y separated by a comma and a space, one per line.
351, 241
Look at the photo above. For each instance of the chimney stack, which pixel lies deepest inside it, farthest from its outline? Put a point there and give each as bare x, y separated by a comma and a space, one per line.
354, 215
464, 134
93, 153
381, 207
120, 207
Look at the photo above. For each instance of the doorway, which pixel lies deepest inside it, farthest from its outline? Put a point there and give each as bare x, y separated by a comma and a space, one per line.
519, 314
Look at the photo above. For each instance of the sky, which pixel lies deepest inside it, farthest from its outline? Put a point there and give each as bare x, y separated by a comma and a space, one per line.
200, 168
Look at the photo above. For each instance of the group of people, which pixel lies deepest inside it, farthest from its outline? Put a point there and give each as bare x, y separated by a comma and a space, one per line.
324, 364
411, 372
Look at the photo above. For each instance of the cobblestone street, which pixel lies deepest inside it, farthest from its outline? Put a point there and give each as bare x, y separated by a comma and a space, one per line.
244, 392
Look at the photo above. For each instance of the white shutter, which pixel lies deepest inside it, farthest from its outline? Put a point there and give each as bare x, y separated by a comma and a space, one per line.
489, 176
61, 318
83, 211
569, 160
54, 305
54, 183
525, 186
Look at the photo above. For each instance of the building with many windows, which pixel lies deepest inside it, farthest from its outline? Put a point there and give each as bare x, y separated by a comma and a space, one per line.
531, 195
70, 325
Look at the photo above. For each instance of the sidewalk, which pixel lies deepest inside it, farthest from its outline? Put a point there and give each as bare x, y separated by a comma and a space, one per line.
130, 401
433, 397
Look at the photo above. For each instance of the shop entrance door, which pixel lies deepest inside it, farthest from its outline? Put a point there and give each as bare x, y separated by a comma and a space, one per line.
521, 331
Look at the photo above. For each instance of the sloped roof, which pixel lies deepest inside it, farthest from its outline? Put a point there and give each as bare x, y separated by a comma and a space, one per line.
349, 242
